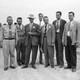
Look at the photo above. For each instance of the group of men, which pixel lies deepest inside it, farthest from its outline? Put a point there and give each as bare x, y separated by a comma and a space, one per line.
31, 36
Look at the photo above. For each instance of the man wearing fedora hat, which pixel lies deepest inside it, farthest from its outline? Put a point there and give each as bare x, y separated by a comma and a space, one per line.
31, 41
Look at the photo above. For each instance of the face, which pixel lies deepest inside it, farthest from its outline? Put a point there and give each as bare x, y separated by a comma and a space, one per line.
9, 20
46, 20
19, 21
71, 16
40, 17
31, 20
58, 16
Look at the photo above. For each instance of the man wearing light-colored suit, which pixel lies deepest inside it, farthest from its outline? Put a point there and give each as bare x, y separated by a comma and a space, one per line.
47, 41
31, 41
70, 40
59, 27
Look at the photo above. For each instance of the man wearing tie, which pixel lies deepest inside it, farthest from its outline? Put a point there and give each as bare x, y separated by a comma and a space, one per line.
70, 40
59, 27
40, 15
47, 41
20, 47
31, 41
9, 37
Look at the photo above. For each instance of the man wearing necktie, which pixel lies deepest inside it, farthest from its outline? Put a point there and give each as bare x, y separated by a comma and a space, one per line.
70, 40
59, 27
40, 15
20, 47
48, 41
31, 41
9, 37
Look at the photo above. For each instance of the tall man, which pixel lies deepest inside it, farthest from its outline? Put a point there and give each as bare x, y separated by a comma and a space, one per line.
20, 47
48, 40
31, 42
59, 27
40, 15
9, 37
70, 39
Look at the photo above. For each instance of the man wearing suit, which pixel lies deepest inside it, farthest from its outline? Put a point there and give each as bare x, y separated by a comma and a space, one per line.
40, 15
59, 27
31, 42
47, 41
20, 48
70, 40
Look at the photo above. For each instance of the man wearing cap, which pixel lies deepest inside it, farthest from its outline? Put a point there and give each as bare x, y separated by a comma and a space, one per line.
9, 37
20, 47
31, 42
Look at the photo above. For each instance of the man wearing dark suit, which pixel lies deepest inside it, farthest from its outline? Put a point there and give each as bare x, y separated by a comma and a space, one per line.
70, 40
40, 15
59, 27
31, 42
20, 48
47, 41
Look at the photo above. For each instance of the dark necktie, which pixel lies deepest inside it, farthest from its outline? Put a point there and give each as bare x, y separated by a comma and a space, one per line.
10, 32
45, 29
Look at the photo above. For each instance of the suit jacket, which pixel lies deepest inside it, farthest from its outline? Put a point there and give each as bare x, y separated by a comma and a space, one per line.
50, 34
62, 24
73, 33
34, 36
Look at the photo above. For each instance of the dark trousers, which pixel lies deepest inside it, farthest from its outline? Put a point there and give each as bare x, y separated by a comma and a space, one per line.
40, 52
48, 53
20, 49
59, 49
70, 53
28, 52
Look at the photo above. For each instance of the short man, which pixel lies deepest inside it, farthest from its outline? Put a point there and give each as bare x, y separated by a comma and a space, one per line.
70, 39
20, 47
40, 15
9, 37
48, 40
59, 27
32, 33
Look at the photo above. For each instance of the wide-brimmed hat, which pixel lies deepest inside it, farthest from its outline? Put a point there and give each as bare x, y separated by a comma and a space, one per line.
31, 16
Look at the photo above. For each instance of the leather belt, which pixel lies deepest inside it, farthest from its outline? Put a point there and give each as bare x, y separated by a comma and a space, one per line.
9, 38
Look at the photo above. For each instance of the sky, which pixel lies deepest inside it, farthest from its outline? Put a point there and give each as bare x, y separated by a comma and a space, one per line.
22, 8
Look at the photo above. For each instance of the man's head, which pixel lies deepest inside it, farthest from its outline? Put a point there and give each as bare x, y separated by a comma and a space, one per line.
58, 15
45, 19
71, 15
31, 18
40, 15
19, 20
9, 20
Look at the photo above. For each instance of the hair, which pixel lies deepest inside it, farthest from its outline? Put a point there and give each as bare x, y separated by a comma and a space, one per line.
72, 13
19, 18
59, 12
40, 14
9, 17
45, 17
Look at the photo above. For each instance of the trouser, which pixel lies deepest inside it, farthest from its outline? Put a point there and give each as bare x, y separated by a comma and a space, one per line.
59, 50
8, 49
48, 52
70, 53
20, 49
34, 49
40, 52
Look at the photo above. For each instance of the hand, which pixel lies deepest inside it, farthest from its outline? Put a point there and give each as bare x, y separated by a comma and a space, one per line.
52, 44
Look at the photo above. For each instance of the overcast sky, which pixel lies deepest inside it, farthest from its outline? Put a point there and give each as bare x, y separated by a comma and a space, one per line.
23, 8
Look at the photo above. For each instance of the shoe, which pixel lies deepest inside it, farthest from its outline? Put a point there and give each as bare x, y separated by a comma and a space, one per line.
33, 66
61, 66
24, 67
13, 67
57, 65
73, 69
68, 67
19, 64
5, 69
47, 65
52, 66
40, 62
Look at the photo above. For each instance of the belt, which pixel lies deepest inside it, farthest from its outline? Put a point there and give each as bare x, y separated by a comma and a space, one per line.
9, 38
